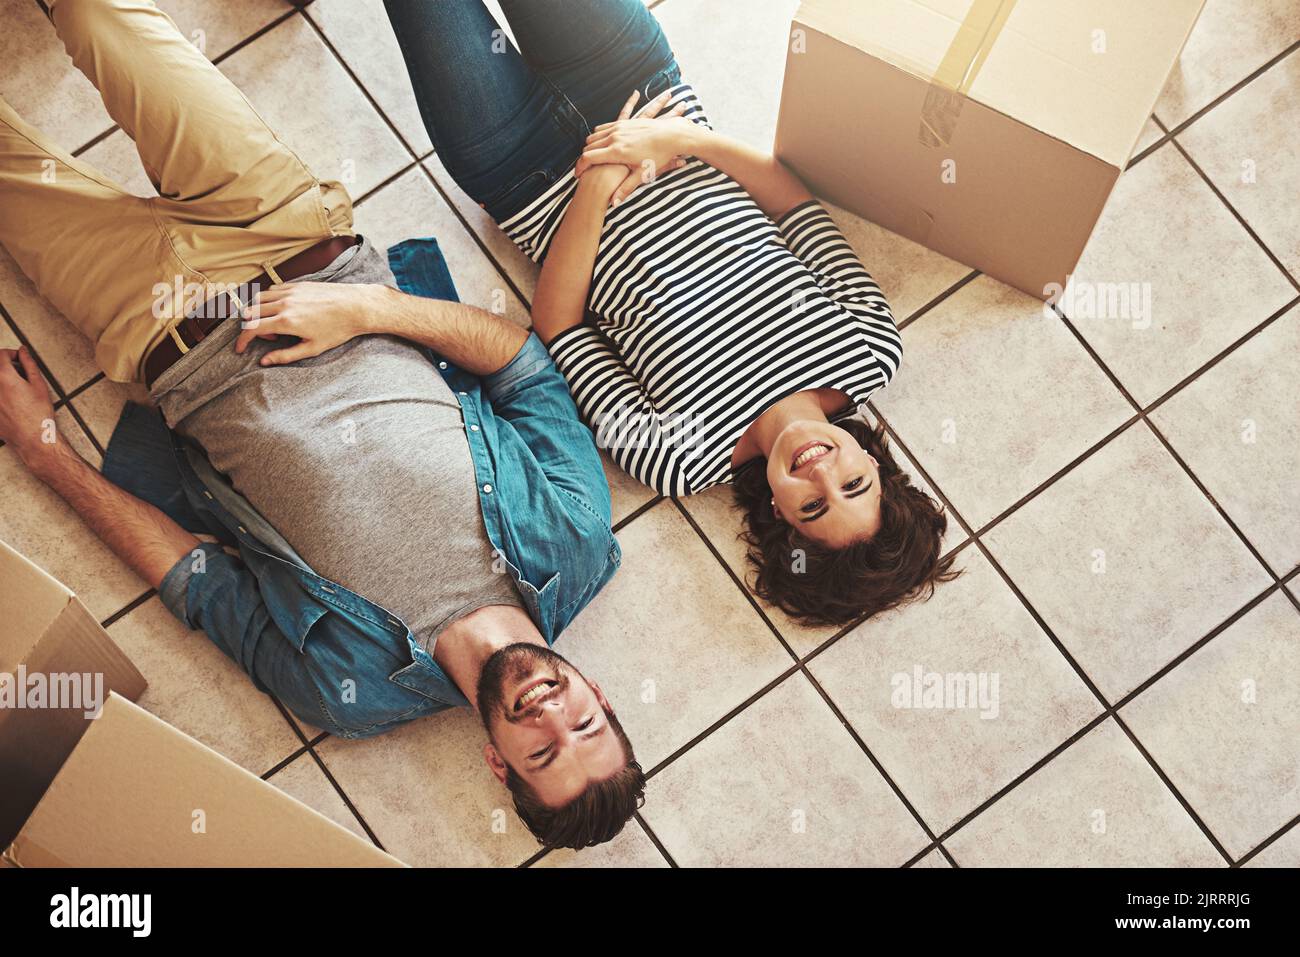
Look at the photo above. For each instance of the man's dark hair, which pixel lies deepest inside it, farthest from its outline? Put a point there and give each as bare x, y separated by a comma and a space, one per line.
837, 586
594, 816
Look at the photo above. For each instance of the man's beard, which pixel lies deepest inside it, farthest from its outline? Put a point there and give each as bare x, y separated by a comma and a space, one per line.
506, 669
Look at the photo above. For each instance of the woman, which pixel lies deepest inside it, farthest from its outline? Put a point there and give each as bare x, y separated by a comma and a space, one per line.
710, 318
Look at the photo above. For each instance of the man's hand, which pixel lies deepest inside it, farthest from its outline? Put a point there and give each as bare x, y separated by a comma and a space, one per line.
26, 412
322, 315
648, 146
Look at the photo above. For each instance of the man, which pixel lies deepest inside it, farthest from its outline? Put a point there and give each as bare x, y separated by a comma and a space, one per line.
416, 507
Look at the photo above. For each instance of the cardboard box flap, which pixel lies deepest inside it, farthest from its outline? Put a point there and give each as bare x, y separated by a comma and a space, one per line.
56, 666
138, 793
30, 601
1086, 72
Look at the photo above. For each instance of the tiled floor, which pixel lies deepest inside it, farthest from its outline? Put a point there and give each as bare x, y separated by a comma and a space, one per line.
1124, 502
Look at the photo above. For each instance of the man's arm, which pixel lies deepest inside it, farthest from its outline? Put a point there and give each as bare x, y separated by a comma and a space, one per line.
141, 535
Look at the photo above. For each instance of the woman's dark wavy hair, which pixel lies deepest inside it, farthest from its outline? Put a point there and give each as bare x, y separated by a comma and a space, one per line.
827, 586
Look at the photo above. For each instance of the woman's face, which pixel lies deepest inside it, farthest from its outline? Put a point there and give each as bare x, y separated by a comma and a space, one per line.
824, 484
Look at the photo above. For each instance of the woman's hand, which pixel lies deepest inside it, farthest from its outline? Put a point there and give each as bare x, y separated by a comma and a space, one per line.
647, 146
322, 315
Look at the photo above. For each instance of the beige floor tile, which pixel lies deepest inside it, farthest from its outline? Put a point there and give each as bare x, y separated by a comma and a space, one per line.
360, 31
1150, 133
1236, 427
739, 81
101, 405
1187, 300
219, 26
781, 784
40, 82
115, 156
654, 638
993, 398
410, 207
1097, 804
39, 524
196, 688
1284, 852
1224, 725
303, 779
303, 93
66, 352
1231, 40
1247, 146
934, 859
947, 757
720, 520
630, 849
1126, 561
522, 271
626, 493
428, 795
716, 514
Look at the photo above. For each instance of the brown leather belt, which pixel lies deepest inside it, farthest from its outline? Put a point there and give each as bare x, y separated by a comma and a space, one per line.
194, 328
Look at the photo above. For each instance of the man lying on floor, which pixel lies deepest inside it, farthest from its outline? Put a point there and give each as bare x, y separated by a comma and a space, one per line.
423, 454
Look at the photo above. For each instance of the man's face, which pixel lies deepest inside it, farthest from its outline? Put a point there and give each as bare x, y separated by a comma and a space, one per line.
547, 722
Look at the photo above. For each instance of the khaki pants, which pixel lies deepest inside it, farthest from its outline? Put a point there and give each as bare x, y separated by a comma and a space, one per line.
232, 199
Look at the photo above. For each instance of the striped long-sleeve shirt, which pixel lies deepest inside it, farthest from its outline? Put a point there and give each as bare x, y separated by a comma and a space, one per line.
703, 312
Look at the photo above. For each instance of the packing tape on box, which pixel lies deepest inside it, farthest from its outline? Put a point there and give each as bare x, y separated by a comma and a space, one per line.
959, 67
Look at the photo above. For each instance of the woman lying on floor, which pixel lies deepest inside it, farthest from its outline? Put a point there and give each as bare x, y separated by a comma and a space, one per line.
712, 322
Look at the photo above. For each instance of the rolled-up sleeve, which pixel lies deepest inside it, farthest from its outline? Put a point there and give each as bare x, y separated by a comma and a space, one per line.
216, 593
530, 394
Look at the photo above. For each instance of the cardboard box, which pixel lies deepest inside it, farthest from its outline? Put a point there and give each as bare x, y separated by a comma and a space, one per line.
991, 131
49, 641
138, 793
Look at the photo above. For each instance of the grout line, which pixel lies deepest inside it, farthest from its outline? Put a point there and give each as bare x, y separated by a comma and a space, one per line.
1271, 839
478, 240
1173, 790
951, 290
1231, 348
264, 29
1200, 643
375, 189
1050, 633
365, 91
636, 513
85, 386
59, 391
338, 789
654, 839
1232, 89
126, 609
277, 768
735, 579
862, 746
1236, 215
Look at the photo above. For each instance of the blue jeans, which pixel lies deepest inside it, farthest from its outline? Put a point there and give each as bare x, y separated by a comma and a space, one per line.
507, 123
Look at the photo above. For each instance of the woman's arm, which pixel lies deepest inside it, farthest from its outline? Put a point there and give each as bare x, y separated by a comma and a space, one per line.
763, 176
642, 143
560, 301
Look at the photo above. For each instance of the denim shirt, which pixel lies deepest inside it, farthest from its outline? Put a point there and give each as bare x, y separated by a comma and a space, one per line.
542, 491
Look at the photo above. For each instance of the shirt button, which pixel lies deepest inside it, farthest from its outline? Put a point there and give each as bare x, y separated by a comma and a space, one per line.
473, 428
442, 365
488, 489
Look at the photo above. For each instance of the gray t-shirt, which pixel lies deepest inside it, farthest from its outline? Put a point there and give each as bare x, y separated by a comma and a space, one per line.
358, 457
